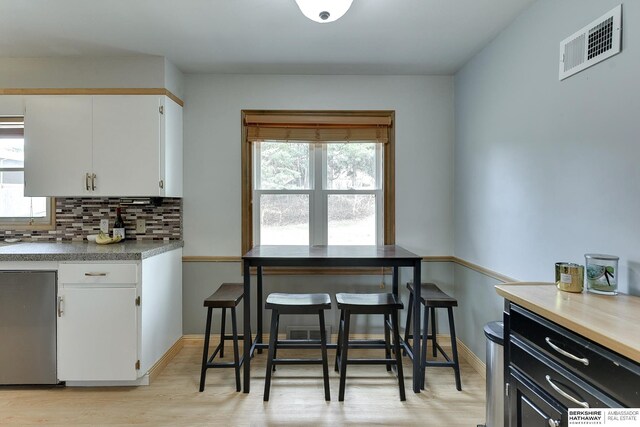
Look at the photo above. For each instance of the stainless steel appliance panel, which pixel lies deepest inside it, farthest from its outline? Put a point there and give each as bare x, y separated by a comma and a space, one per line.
28, 327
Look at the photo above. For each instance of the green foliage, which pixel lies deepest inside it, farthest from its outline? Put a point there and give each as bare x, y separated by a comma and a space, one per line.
352, 161
284, 166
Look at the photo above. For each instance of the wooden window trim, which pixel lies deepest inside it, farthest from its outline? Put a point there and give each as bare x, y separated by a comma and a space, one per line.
247, 171
42, 226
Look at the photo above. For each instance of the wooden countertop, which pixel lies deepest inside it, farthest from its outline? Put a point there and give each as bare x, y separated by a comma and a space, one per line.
611, 321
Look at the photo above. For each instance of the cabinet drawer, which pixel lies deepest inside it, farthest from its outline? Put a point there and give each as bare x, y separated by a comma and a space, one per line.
98, 273
614, 374
568, 389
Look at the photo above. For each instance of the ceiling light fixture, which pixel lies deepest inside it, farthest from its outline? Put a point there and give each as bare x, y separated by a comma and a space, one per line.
324, 11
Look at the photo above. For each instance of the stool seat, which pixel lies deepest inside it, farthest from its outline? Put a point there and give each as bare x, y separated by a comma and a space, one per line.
228, 295
365, 303
432, 296
308, 303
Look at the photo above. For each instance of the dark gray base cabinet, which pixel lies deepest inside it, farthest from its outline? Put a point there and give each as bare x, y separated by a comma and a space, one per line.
529, 406
549, 369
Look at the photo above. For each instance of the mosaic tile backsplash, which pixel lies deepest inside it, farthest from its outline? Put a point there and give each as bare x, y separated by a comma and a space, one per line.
77, 217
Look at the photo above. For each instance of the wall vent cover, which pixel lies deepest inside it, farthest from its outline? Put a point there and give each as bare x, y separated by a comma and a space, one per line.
307, 332
594, 43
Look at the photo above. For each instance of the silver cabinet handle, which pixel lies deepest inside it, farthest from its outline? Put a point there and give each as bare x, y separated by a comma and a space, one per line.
95, 274
566, 353
60, 310
86, 181
93, 182
565, 394
553, 423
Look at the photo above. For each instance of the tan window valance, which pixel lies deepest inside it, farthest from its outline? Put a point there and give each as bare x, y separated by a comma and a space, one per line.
317, 128
11, 127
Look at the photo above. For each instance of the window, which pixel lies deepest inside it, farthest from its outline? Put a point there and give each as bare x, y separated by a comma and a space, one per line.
311, 179
16, 210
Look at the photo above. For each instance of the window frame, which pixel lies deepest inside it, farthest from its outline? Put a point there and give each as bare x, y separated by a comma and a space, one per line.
319, 194
25, 223
388, 170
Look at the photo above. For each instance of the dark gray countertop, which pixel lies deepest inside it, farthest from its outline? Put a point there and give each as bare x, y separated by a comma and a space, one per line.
85, 251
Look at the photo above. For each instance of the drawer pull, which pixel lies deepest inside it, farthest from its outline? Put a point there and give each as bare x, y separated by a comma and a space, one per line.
565, 394
566, 353
60, 309
94, 274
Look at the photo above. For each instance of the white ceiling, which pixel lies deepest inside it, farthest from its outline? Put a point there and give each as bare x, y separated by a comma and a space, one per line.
260, 36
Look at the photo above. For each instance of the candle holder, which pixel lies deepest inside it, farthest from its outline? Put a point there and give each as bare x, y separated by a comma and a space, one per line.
602, 274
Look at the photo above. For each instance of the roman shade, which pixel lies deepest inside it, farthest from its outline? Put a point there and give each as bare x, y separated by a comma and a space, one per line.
317, 128
11, 127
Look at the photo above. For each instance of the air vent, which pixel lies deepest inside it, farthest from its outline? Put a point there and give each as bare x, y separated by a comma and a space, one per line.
592, 44
306, 332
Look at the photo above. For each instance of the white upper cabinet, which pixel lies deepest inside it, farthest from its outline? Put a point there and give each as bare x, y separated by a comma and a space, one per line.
58, 149
134, 145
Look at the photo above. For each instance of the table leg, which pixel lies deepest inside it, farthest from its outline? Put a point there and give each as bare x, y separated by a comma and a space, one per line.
396, 276
259, 308
416, 327
246, 348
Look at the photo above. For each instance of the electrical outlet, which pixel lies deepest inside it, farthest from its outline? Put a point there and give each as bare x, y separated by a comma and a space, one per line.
104, 226
141, 226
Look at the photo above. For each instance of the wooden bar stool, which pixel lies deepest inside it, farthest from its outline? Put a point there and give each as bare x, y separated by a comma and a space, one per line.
297, 304
384, 304
432, 298
228, 295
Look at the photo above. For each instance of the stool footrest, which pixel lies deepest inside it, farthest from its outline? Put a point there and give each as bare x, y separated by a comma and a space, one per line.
285, 343
224, 364
371, 344
297, 361
230, 337
449, 364
371, 361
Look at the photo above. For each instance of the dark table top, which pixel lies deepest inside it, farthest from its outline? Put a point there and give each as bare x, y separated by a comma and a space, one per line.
335, 252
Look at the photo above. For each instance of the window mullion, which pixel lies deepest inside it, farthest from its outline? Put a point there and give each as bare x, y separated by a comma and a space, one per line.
318, 214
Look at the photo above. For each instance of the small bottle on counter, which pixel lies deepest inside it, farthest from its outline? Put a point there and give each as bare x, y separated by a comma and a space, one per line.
118, 226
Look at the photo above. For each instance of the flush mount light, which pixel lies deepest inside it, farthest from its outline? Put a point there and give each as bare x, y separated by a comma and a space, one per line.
324, 11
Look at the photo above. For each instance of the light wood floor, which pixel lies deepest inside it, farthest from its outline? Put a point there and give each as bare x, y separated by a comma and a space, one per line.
296, 398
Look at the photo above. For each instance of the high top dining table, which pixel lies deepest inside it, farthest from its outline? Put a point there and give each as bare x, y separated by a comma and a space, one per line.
329, 256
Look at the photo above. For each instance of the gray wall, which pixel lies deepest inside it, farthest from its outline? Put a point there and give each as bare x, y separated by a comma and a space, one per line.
424, 149
547, 170
212, 216
478, 304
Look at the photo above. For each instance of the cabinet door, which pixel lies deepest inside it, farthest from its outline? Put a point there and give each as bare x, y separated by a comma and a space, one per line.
97, 333
126, 145
172, 153
531, 407
58, 146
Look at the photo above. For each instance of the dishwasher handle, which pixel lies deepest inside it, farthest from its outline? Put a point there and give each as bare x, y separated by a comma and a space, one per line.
60, 306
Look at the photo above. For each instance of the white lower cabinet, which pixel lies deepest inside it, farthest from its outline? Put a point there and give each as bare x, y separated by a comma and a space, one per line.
116, 320
98, 321
97, 333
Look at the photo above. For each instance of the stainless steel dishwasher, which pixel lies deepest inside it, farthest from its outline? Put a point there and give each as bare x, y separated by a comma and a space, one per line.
28, 327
